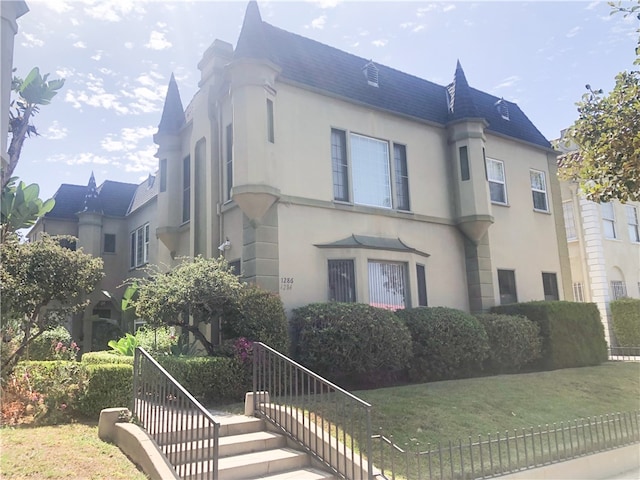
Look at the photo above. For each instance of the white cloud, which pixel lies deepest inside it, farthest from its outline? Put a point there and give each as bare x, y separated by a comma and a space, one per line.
324, 4
507, 82
65, 72
407, 24
318, 23
142, 160
157, 41
114, 10
80, 44
423, 10
449, 7
31, 40
56, 132
592, 5
79, 159
74, 21
98, 56
573, 32
58, 6
417, 28
379, 43
128, 45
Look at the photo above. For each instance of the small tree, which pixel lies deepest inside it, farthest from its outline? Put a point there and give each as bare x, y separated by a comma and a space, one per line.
33, 275
195, 293
31, 92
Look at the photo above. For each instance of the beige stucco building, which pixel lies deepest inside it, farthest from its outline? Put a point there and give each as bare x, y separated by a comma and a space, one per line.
328, 177
604, 247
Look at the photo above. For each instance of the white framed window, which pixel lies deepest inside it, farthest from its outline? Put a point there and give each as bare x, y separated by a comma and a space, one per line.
367, 163
387, 284
608, 220
632, 223
618, 289
139, 253
539, 190
578, 292
497, 181
569, 220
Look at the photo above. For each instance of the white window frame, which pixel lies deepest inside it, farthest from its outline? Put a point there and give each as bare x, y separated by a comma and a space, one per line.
535, 189
139, 245
371, 171
608, 221
390, 300
569, 221
497, 181
632, 223
618, 289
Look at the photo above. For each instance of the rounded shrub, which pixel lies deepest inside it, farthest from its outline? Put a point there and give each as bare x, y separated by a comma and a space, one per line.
260, 317
514, 341
102, 357
447, 343
43, 347
108, 385
351, 343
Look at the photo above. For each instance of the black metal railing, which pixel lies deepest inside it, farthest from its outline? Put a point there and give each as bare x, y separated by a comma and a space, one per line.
185, 431
327, 421
502, 453
626, 354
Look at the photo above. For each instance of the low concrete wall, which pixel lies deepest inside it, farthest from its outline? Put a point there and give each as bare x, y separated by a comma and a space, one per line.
135, 443
598, 466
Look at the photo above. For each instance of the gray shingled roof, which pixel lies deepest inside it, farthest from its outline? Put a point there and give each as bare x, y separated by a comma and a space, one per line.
113, 199
313, 64
374, 243
145, 192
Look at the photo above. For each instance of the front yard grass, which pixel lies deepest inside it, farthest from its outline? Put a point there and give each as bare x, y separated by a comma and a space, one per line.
71, 451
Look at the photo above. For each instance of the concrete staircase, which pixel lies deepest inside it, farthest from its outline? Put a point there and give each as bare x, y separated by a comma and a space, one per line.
249, 451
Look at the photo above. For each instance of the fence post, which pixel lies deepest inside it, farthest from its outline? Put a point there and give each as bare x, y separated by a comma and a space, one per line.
136, 372
369, 445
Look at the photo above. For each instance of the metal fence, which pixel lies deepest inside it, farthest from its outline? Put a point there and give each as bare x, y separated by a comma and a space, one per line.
501, 453
324, 419
625, 354
186, 432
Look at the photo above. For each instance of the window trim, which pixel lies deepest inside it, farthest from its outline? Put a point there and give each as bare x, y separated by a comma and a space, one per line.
535, 190
503, 182
139, 238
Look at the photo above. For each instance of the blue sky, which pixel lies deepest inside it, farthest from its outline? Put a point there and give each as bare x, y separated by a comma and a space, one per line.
117, 57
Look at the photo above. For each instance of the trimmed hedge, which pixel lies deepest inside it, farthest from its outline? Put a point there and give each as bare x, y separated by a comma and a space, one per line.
447, 343
43, 347
211, 380
259, 318
572, 333
108, 385
625, 313
514, 342
103, 357
351, 343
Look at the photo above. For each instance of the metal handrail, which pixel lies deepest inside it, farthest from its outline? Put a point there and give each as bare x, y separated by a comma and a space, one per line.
502, 453
326, 420
186, 432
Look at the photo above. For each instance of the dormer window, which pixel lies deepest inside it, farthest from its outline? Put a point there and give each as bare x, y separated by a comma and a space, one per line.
371, 73
503, 108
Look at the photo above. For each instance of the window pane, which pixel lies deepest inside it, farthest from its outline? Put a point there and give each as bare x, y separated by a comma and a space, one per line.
422, 286
132, 257
229, 160
550, 286
569, 220
402, 177
339, 164
578, 293
109, 243
270, 129
496, 190
163, 175
608, 220
464, 164
507, 286
496, 177
539, 201
538, 190
537, 180
632, 220
342, 285
139, 247
370, 168
387, 285
186, 189
145, 258
495, 170
618, 289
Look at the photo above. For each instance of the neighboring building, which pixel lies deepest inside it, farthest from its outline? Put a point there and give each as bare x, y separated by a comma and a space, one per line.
604, 247
325, 176
113, 221
10, 11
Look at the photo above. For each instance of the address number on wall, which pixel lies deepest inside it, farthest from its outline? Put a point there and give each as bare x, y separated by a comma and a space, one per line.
286, 283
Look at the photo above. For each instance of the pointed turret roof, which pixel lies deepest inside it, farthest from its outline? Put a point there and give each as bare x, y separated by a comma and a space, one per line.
252, 42
91, 201
461, 103
173, 118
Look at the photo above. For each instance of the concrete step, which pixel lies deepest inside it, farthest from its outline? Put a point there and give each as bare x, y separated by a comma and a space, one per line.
229, 425
301, 474
257, 464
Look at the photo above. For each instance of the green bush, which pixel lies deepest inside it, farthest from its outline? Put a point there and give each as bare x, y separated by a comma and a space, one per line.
259, 318
43, 347
103, 357
571, 332
108, 385
447, 343
625, 313
157, 341
56, 387
211, 380
514, 342
351, 343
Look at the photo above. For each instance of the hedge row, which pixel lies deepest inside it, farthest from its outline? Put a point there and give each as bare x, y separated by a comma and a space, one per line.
625, 313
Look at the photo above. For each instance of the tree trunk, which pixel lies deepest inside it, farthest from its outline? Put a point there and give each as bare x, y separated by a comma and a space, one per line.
15, 147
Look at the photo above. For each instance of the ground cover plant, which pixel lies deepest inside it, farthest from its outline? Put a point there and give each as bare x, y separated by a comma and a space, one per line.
71, 451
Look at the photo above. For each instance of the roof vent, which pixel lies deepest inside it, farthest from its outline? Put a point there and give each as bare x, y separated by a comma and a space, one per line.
503, 108
371, 73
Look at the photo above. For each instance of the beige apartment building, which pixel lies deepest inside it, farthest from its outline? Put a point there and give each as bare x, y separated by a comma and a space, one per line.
604, 247
324, 176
